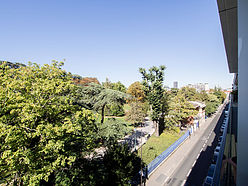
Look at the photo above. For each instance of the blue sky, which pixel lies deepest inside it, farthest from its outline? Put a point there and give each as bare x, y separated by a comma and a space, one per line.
113, 38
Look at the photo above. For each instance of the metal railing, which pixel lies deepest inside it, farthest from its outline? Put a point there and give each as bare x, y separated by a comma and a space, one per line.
215, 179
164, 155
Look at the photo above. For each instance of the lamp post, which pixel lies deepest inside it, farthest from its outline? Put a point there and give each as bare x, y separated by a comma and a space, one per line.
135, 138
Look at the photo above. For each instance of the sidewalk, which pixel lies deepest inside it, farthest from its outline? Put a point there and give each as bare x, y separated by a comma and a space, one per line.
166, 169
140, 135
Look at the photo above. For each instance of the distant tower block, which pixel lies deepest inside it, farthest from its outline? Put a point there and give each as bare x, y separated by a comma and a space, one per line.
175, 84
206, 87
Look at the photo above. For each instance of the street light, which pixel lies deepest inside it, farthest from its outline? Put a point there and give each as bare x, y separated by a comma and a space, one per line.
135, 139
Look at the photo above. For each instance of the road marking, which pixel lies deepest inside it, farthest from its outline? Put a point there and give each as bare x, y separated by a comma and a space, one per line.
189, 173
194, 163
184, 181
198, 156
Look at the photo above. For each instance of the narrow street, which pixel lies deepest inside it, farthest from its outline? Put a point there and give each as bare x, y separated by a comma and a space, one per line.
189, 163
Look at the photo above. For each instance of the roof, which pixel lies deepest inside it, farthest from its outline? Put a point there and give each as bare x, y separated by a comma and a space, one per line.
228, 18
197, 104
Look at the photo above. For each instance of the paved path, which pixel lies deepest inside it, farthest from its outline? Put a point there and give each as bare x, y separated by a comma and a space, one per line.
165, 173
141, 134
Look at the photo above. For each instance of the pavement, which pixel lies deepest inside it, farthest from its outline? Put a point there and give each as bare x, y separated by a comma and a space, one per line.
163, 174
140, 135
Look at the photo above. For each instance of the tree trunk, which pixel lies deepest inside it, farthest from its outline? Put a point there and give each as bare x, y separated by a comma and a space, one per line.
102, 120
156, 128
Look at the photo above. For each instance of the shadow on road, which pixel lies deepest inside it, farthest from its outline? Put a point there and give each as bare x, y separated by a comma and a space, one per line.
200, 169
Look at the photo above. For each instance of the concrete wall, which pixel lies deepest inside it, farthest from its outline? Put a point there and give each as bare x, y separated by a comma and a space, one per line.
242, 146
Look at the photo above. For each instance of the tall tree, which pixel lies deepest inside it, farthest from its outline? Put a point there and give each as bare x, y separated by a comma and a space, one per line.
153, 87
100, 96
179, 111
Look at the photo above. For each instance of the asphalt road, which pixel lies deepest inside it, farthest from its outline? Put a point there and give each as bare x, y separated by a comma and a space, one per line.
193, 171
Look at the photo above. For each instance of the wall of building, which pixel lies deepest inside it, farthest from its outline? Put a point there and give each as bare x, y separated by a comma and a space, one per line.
242, 150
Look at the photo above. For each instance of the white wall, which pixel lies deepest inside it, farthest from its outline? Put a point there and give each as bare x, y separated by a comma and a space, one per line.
242, 146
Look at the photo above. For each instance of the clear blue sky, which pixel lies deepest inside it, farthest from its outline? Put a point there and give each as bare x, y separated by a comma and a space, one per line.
113, 38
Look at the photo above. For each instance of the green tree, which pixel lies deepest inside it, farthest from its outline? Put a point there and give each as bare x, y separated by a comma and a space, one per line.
107, 84
174, 91
113, 129
119, 86
189, 93
220, 94
153, 88
99, 97
122, 165
41, 131
202, 96
179, 111
115, 110
136, 90
137, 113
118, 166
211, 104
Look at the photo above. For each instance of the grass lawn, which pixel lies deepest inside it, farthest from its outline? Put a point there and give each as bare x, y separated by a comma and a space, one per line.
156, 145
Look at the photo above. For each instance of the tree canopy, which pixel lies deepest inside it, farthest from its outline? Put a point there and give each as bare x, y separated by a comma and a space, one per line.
42, 131
99, 96
179, 111
137, 91
137, 113
153, 88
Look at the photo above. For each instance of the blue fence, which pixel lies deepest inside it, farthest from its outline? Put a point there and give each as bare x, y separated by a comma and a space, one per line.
159, 159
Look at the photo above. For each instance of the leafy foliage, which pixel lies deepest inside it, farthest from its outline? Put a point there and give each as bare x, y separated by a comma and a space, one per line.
115, 110
153, 88
85, 81
98, 97
12, 65
212, 104
136, 90
179, 111
113, 129
119, 86
137, 113
122, 165
219, 94
189, 93
42, 131
117, 167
